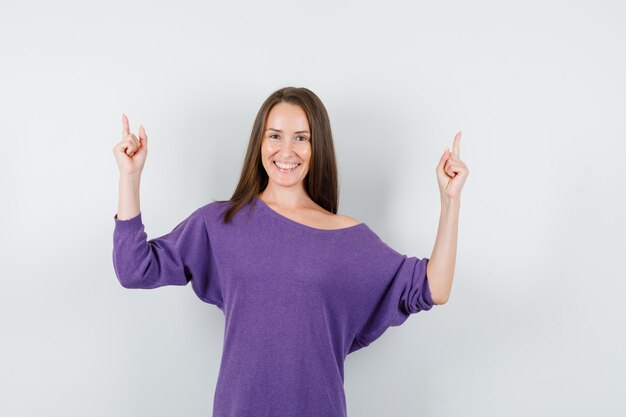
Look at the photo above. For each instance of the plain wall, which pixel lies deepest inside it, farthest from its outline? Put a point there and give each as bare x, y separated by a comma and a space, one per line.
534, 325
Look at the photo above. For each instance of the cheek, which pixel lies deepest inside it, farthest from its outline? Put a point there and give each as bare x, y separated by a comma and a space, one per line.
307, 156
304, 152
268, 149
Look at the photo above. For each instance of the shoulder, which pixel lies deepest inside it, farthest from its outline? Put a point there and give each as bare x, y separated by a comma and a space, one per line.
207, 207
210, 210
346, 221
334, 220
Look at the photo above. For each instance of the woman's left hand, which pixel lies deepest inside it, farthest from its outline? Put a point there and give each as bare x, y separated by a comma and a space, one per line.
451, 171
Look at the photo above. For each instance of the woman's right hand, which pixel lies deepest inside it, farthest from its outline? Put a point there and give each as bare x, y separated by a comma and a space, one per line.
131, 152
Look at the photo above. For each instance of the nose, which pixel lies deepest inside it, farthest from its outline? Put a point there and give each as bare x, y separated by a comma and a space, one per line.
286, 148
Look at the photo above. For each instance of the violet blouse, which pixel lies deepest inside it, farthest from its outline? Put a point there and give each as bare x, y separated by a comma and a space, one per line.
296, 299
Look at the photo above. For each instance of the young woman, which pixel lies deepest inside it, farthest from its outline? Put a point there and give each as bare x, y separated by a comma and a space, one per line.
300, 286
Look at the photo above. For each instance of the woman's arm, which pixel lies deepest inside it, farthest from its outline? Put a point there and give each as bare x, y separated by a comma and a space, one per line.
440, 268
130, 155
128, 198
451, 176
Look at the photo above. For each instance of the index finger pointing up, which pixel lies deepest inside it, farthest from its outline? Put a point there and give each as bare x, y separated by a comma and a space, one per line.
125, 129
456, 146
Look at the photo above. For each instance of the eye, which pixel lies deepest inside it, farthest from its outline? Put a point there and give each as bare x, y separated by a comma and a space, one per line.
272, 136
303, 137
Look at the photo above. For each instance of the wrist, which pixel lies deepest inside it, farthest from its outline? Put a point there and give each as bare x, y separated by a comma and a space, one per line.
130, 178
449, 202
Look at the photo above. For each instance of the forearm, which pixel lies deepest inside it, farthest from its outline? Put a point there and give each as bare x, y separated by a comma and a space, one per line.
440, 268
128, 202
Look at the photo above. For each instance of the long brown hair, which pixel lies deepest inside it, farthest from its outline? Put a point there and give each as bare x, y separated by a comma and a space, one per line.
320, 182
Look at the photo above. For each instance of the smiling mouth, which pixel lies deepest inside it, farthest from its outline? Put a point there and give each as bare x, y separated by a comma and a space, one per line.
285, 170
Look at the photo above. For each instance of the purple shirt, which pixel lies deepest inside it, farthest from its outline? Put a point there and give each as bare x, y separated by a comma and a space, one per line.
296, 300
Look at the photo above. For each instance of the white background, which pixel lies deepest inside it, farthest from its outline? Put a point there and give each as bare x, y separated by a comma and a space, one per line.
535, 322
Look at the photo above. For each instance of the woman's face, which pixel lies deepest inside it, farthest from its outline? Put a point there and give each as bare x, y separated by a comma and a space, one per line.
286, 140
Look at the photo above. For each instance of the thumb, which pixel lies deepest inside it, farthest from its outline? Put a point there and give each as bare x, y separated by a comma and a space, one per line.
442, 160
143, 136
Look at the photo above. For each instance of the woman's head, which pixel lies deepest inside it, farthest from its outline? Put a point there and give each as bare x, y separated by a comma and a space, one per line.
285, 143
294, 111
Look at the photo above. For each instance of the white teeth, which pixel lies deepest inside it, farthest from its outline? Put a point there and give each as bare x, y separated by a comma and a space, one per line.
285, 166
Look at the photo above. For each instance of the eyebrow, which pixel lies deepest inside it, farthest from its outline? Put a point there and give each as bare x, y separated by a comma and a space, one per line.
299, 131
